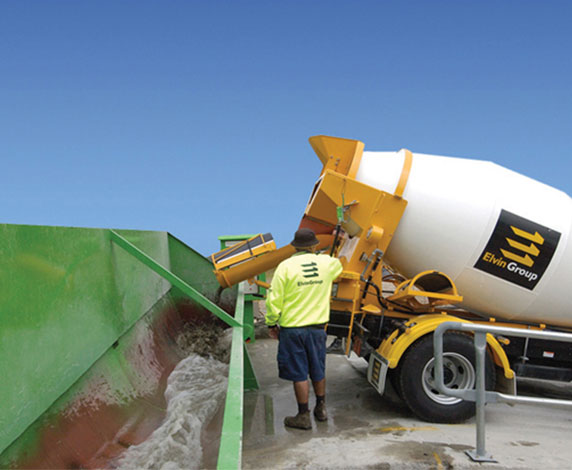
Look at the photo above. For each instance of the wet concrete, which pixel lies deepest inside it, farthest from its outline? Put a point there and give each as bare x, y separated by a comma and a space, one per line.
367, 431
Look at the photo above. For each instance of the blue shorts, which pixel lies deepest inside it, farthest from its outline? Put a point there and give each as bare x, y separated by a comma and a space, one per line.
302, 351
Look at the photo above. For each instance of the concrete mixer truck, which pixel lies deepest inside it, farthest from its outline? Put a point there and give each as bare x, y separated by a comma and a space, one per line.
426, 239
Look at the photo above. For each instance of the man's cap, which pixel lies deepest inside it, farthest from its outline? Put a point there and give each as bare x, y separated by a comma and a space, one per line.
304, 238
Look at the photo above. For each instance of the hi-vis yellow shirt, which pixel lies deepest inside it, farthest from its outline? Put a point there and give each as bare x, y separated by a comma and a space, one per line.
300, 291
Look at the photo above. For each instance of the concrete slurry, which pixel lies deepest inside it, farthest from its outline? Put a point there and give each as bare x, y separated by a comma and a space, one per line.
367, 431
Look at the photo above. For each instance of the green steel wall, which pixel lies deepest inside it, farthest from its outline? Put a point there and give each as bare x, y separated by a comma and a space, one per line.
118, 393
197, 271
67, 295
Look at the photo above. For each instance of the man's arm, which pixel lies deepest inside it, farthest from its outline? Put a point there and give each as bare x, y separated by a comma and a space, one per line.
336, 268
275, 298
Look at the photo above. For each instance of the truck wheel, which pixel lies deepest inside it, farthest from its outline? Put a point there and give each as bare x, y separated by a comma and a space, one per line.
417, 379
395, 379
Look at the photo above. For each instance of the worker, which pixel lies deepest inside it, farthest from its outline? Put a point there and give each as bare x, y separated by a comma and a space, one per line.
298, 308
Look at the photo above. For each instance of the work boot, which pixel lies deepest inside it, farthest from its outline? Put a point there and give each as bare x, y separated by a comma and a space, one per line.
337, 347
320, 412
300, 421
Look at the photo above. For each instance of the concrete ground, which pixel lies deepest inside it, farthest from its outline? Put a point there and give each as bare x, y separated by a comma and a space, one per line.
367, 431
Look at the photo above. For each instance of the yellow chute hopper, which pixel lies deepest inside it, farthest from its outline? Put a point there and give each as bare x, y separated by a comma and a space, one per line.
243, 250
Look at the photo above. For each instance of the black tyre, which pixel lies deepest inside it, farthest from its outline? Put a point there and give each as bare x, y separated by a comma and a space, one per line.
417, 380
395, 379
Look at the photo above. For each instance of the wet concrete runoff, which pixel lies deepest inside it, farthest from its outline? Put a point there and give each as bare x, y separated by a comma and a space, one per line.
367, 431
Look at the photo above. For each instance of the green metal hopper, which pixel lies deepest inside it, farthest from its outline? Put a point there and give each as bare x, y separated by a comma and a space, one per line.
88, 325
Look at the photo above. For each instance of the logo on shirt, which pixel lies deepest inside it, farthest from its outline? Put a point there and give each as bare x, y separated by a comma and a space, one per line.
310, 269
309, 283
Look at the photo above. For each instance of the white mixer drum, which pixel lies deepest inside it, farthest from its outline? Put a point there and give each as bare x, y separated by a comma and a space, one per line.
501, 236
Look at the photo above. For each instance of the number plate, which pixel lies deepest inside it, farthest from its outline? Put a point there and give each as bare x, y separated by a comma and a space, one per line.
377, 371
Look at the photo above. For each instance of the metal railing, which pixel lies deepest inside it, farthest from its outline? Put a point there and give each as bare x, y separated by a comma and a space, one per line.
230, 450
479, 394
240, 377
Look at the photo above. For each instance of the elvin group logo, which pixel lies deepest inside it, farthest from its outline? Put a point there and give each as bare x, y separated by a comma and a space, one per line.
519, 250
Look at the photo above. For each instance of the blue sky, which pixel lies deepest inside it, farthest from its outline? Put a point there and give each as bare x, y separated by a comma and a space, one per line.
193, 117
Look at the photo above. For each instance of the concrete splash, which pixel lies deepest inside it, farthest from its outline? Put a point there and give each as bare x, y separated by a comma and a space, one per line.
196, 389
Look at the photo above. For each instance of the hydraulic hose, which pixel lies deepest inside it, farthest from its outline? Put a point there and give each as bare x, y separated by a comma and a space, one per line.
336, 238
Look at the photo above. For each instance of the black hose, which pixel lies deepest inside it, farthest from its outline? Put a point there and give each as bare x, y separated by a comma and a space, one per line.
381, 300
336, 236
